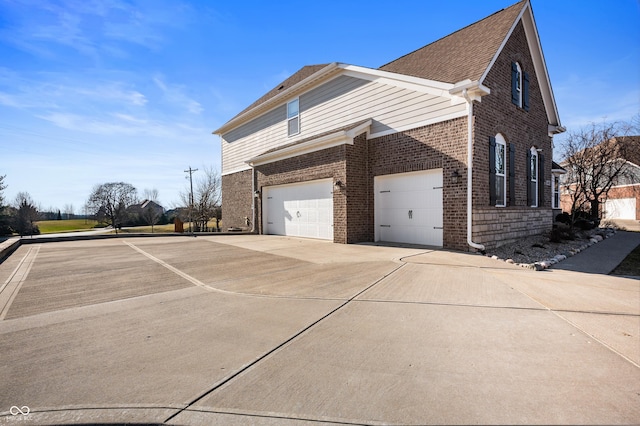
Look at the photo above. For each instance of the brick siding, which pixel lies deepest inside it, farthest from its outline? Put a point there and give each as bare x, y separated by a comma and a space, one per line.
236, 201
497, 114
441, 145
326, 163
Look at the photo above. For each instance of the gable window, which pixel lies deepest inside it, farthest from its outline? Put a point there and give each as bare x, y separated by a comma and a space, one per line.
519, 86
293, 117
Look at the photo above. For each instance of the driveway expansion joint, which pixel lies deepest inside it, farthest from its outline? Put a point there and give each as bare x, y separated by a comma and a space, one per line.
281, 345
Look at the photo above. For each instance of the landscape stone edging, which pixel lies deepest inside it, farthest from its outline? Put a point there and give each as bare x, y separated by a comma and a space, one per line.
541, 265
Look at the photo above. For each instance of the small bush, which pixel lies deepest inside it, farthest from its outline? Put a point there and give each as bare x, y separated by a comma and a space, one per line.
560, 234
564, 218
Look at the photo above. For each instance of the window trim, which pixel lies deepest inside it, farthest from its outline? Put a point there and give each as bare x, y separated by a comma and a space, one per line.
502, 142
518, 85
293, 117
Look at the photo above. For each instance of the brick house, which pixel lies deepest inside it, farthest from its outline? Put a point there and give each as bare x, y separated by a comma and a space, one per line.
444, 146
623, 199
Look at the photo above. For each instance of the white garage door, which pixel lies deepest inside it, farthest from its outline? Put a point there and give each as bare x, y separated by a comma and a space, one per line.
622, 208
300, 210
408, 207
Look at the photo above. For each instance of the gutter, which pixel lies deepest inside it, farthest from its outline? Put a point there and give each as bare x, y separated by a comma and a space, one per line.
470, 172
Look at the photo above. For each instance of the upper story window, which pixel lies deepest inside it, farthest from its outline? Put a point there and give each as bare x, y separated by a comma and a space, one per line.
519, 86
293, 117
500, 170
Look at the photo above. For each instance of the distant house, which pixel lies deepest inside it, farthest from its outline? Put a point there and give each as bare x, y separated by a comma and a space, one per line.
447, 146
623, 201
142, 213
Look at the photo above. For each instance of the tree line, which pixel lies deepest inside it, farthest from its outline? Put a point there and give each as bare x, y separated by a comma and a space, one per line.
117, 204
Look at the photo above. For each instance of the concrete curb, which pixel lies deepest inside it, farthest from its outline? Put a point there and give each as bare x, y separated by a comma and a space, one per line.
7, 247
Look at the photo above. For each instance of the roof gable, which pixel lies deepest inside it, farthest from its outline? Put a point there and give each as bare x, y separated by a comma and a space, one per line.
464, 54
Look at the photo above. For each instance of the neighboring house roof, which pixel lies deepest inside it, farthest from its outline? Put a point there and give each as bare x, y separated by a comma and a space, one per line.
557, 168
632, 151
464, 54
146, 204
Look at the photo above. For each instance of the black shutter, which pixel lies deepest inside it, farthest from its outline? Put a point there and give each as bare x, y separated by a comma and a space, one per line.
514, 84
529, 194
492, 171
512, 174
540, 180
525, 91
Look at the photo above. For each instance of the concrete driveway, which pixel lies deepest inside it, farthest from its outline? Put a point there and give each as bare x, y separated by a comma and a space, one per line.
272, 330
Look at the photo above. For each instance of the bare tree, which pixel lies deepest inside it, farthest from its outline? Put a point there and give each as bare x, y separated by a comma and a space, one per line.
5, 225
151, 213
150, 194
3, 186
26, 216
206, 198
68, 210
595, 158
109, 201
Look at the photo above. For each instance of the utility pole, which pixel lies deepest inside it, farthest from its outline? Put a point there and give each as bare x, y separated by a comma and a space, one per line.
190, 171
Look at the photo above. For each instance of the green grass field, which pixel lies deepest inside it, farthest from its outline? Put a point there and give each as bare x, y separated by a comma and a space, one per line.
72, 225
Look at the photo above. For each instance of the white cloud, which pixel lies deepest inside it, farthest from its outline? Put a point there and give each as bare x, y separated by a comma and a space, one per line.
175, 96
91, 28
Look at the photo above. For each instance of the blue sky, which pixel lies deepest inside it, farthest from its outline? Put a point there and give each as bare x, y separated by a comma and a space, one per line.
95, 91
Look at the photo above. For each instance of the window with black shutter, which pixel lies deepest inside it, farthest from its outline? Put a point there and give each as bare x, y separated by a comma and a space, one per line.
492, 171
519, 86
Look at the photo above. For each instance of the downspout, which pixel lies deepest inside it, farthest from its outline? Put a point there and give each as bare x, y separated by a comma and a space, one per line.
470, 172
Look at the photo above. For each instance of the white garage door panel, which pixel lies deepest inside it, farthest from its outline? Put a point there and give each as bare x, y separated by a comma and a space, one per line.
408, 207
621, 208
301, 210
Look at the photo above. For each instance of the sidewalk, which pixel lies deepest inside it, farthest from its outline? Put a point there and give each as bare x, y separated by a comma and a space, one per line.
604, 257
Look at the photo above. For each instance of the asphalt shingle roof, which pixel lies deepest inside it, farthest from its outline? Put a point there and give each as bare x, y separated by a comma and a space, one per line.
463, 54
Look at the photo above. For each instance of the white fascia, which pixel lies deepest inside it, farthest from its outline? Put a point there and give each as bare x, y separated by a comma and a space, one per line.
342, 137
417, 84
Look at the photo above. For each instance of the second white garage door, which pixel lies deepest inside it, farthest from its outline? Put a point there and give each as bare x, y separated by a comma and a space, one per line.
408, 208
620, 208
299, 210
